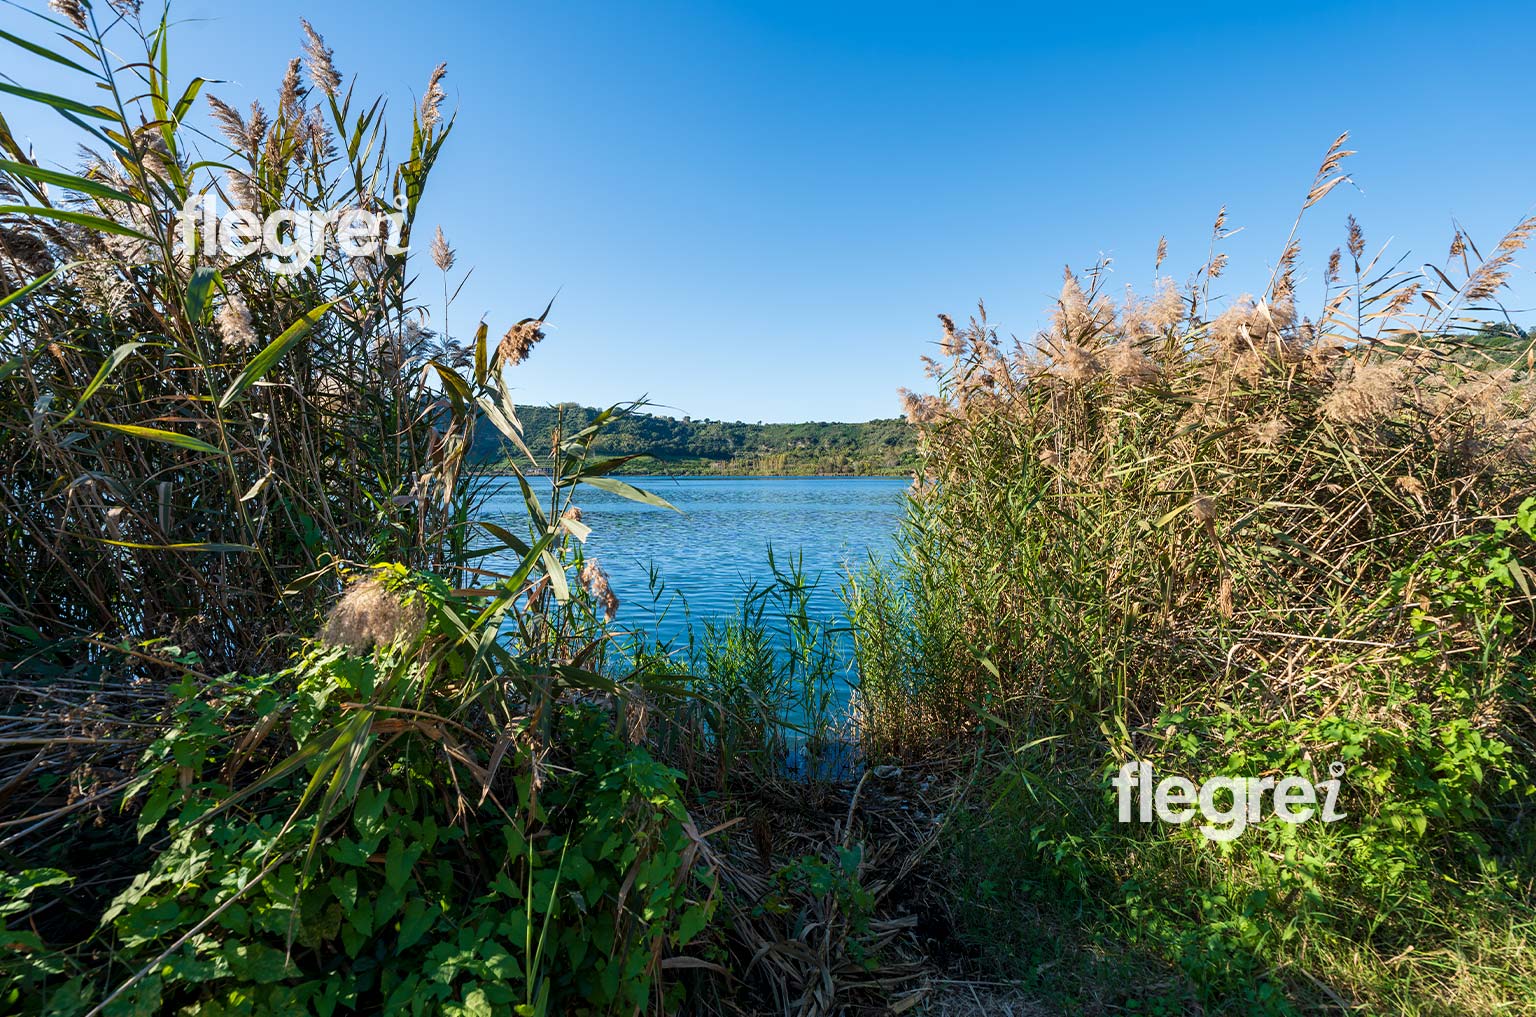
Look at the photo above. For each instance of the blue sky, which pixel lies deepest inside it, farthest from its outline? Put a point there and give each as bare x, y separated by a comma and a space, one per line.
754, 211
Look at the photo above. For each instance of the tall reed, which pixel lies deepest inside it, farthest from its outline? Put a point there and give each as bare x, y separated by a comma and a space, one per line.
1178, 499
192, 442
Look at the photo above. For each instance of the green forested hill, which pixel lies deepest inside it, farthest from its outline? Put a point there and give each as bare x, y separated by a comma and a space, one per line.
712, 446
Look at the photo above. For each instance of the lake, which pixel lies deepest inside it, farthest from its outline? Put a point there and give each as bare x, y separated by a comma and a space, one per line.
716, 545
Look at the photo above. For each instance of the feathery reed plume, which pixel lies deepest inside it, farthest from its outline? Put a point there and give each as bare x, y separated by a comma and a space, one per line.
1162, 253
255, 129
290, 95
1285, 271
1238, 324
1075, 364
1331, 275
1130, 366
370, 615
242, 191
1401, 298
950, 344
1458, 245
442, 254
231, 124
920, 409
1368, 394
1492, 274
322, 66
1167, 308
26, 250
156, 156
432, 99
1356, 240
235, 323
317, 135
1327, 179
595, 579
72, 10
1216, 267
520, 341
1076, 319
127, 8
1269, 432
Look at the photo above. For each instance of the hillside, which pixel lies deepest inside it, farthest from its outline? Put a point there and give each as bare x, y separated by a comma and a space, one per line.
720, 447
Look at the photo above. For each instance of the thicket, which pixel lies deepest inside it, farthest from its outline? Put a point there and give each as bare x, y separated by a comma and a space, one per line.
274, 742
1228, 538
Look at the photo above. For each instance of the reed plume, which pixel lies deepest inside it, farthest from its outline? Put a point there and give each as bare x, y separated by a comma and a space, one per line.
320, 61
442, 255
72, 10
519, 341
432, 99
369, 616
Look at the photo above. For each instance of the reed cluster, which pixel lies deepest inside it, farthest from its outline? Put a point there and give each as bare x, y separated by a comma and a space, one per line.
191, 441
1230, 537
1173, 498
278, 740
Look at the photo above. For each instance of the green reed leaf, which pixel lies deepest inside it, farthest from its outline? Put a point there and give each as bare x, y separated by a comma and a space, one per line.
268, 358
119, 355
199, 547
35, 284
623, 490
68, 181
47, 54
185, 441
59, 103
94, 222
198, 288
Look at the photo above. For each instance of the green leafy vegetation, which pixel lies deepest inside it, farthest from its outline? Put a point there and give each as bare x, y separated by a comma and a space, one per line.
713, 447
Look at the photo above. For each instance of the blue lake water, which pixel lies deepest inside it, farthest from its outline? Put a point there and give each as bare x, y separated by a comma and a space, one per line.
716, 545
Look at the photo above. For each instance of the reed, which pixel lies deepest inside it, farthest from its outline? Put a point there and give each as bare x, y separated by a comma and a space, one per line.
1229, 538
1167, 500
193, 442
207, 462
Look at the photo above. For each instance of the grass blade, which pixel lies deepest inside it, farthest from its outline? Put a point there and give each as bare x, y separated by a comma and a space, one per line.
267, 358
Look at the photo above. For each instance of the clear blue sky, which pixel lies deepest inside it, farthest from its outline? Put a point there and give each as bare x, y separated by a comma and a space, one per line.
756, 209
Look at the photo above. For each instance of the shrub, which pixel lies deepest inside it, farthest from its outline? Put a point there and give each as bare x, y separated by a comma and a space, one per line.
388, 830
